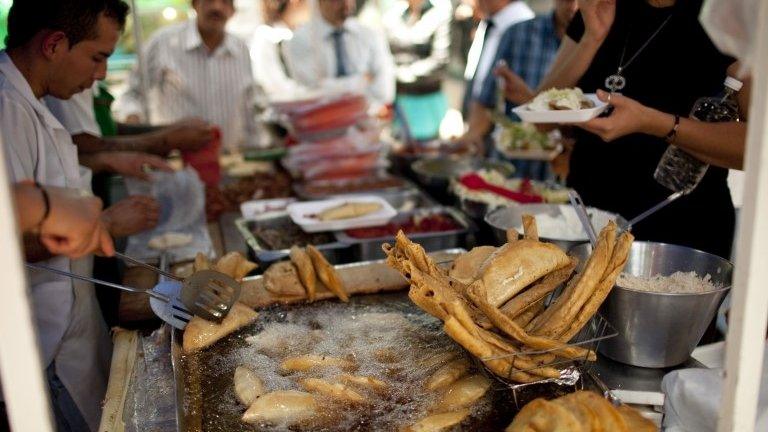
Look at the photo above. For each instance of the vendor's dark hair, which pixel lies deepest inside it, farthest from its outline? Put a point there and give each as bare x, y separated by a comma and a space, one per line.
76, 18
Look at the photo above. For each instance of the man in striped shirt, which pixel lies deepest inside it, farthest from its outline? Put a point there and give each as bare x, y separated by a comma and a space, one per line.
197, 69
528, 49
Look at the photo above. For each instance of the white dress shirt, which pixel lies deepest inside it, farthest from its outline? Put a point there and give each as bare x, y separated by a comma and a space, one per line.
70, 330
185, 80
76, 114
479, 65
270, 67
312, 60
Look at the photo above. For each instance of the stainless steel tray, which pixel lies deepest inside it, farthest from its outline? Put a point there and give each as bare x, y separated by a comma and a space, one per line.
370, 249
335, 251
301, 190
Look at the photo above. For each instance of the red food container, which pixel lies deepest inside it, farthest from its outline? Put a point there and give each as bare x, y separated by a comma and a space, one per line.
206, 160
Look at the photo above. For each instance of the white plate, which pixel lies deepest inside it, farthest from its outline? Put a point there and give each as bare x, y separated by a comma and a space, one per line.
301, 213
251, 209
562, 116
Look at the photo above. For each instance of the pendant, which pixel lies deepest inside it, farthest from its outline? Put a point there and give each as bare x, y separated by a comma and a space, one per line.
615, 82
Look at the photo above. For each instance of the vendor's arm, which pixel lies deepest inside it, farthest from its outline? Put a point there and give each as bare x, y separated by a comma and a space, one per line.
131, 215
720, 144
189, 134
131, 164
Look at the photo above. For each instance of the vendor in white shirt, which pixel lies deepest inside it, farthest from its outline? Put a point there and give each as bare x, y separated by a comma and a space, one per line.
197, 69
270, 67
333, 52
58, 47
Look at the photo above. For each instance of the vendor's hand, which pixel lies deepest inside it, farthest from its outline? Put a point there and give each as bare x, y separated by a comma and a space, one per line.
474, 143
134, 164
628, 117
515, 89
189, 134
73, 227
598, 18
132, 215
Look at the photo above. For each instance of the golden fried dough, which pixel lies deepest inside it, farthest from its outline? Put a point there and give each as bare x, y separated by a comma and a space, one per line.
463, 393
281, 278
306, 362
333, 390
248, 385
466, 266
201, 333
439, 422
543, 416
447, 374
305, 269
327, 273
282, 407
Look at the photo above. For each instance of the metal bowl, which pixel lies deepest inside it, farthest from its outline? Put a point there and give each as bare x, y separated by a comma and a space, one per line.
437, 172
503, 218
659, 330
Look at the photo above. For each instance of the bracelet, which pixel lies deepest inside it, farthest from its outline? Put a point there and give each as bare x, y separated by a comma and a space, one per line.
670, 137
46, 204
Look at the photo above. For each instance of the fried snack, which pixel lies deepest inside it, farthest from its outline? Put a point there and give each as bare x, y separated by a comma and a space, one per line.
447, 374
586, 417
248, 385
538, 291
366, 382
349, 211
306, 362
282, 407
200, 333
439, 422
234, 265
333, 390
437, 360
609, 417
614, 269
558, 317
327, 273
543, 416
529, 314
530, 230
463, 393
512, 235
516, 265
634, 421
306, 271
506, 325
202, 262
510, 353
465, 267
281, 278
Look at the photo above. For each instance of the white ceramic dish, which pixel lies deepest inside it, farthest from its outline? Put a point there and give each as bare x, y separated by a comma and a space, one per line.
562, 116
302, 214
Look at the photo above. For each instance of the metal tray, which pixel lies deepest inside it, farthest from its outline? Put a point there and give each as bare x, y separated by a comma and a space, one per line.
301, 189
370, 249
336, 252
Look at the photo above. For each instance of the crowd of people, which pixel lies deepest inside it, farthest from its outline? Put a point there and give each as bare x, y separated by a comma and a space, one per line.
57, 125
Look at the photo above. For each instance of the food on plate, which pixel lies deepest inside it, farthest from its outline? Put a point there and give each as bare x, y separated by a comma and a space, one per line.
327, 273
439, 422
676, 283
306, 362
448, 374
418, 223
282, 407
285, 233
300, 258
524, 136
463, 393
201, 333
325, 188
170, 240
248, 385
333, 390
560, 99
367, 382
498, 313
349, 210
282, 279
583, 411
549, 194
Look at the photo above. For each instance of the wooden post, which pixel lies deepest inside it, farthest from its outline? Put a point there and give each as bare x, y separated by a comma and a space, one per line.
747, 325
24, 386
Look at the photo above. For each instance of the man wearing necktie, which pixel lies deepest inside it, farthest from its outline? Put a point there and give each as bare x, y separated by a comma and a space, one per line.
334, 53
498, 15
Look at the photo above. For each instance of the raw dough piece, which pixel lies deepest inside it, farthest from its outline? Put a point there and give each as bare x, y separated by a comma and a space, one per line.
170, 240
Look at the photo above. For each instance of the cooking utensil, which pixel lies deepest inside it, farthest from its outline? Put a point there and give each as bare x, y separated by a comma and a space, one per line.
658, 330
652, 210
581, 212
174, 314
207, 293
437, 172
475, 182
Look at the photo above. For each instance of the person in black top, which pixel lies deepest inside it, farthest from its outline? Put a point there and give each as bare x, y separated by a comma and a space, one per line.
667, 62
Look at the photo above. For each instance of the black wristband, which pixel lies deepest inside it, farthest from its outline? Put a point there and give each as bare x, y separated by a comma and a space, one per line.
46, 203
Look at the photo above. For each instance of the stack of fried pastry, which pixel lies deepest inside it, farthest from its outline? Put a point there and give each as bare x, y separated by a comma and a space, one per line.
302, 276
582, 411
493, 301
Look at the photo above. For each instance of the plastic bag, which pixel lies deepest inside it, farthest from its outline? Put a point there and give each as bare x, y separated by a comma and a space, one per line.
732, 25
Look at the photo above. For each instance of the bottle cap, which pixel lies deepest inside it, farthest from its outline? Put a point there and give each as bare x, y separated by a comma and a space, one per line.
733, 83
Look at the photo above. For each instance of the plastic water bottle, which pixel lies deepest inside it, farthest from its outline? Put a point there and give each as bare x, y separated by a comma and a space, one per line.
678, 170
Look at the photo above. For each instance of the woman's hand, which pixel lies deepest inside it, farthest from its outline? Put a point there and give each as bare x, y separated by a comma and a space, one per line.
598, 18
515, 89
628, 117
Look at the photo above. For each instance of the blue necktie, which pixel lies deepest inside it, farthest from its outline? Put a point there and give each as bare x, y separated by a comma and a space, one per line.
338, 48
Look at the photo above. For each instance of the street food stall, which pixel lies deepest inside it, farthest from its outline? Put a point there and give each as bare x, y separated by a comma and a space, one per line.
358, 284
